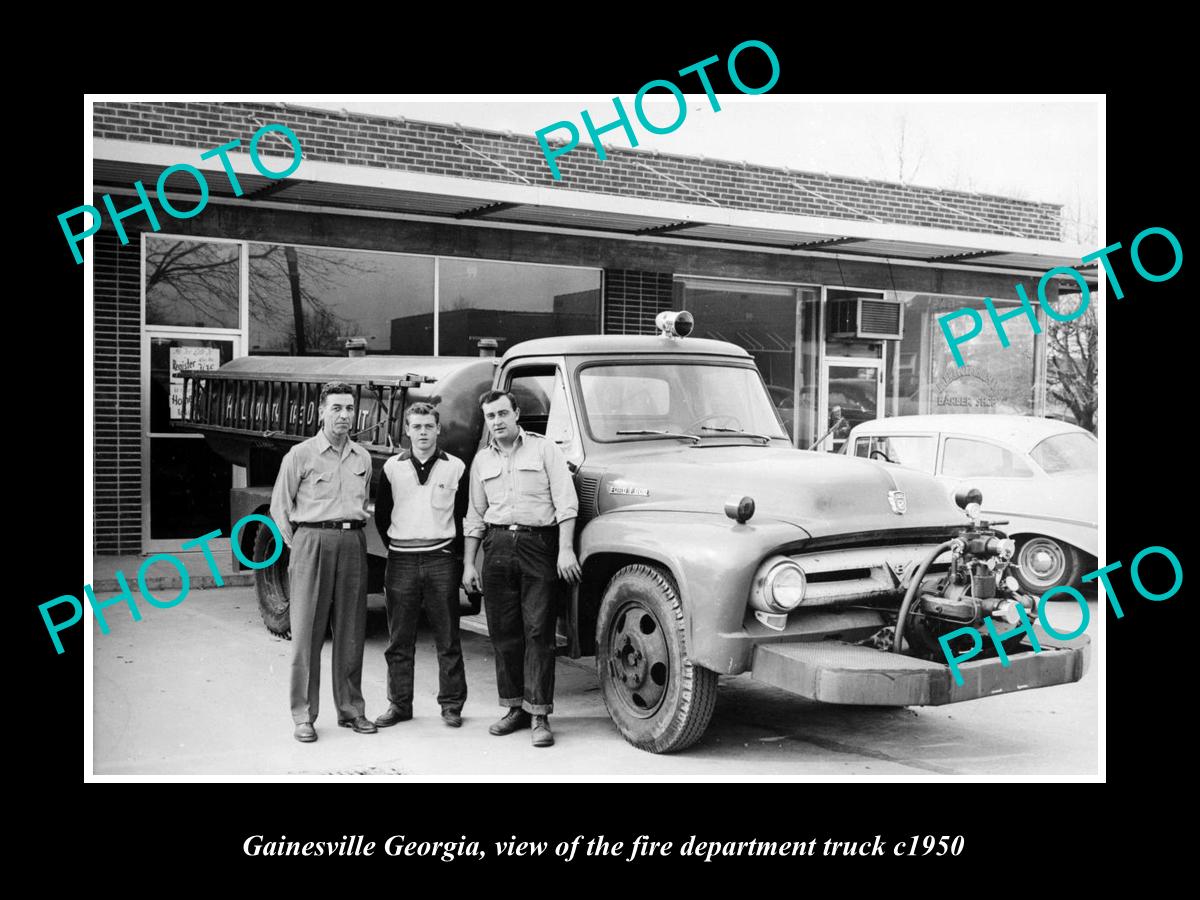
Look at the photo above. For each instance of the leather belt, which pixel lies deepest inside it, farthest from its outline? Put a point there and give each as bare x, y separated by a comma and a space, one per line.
537, 529
345, 524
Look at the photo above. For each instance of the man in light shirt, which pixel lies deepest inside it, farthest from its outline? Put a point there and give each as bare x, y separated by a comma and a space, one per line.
414, 512
523, 507
320, 505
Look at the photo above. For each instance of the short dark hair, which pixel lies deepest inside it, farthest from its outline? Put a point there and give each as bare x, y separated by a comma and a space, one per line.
335, 387
422, 409
493, 396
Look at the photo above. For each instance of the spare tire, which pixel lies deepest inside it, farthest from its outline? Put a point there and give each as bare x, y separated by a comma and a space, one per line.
271, 584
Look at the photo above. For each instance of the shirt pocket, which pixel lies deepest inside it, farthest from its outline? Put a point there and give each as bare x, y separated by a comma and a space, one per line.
443, 496
489, 477
321, 484
531, 477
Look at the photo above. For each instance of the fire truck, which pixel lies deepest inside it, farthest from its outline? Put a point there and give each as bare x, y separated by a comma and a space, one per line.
710, 546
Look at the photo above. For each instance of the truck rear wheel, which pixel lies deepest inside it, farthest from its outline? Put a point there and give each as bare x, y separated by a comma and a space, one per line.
271, 584
657, 697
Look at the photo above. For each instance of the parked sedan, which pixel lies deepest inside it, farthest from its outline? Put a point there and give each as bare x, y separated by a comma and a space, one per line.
1040, 475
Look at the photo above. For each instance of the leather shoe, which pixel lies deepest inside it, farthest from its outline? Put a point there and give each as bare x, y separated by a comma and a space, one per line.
452, 718
393, 715
515, 720
360, 724
305, 733
542, 735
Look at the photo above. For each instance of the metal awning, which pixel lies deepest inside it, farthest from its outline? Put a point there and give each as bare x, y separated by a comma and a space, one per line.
347, 188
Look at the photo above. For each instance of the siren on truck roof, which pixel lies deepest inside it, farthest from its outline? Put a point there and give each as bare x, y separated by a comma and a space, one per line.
674, 324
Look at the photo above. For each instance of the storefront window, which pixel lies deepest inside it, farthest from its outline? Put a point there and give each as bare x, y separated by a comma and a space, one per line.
309, 301
923, 378
192, 284
509, 303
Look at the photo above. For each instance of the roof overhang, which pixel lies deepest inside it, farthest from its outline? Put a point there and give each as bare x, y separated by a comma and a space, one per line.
403, 194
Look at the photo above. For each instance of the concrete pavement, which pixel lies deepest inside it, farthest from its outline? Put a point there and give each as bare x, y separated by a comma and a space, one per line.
201, 689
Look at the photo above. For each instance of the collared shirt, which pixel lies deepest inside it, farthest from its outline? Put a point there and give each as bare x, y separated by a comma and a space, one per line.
415, 515
316, 483
530, 485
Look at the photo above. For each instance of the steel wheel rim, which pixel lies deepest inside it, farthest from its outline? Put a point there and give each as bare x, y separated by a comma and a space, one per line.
1042, 561
639, 660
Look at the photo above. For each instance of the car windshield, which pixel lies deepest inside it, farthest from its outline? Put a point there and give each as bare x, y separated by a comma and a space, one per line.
1074, 452
674, 398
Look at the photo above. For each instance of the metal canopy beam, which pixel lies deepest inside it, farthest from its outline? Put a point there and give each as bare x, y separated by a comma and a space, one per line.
674, 226
485, 209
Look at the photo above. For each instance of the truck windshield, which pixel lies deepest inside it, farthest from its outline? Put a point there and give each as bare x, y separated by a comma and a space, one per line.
673, 399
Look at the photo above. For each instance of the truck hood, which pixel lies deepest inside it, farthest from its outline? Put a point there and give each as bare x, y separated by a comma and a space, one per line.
823, 493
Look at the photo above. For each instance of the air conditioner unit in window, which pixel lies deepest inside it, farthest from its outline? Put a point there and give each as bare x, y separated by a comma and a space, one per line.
865, 318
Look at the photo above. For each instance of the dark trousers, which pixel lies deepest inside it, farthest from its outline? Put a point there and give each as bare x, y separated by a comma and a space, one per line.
415, 582
520, 590
327, 578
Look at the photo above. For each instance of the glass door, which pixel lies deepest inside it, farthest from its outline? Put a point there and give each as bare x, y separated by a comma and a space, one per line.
852, 392
185, 485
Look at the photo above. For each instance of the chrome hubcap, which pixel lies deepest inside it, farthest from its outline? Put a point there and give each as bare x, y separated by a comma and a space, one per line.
1042, 561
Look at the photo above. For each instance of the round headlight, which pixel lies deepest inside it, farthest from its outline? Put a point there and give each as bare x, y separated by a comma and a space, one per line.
785, 587
778, 586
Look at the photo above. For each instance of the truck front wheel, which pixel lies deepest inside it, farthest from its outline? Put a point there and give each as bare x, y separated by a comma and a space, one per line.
657, 697
271, 584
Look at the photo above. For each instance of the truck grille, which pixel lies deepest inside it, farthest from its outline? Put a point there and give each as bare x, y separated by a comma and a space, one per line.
861, 573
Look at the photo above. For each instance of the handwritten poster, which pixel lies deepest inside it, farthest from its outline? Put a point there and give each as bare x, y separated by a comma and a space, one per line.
182, 359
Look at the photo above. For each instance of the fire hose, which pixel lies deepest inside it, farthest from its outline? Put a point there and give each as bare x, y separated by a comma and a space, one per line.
913, 586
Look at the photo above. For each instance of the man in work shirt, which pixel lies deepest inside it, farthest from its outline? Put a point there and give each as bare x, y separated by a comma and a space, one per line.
320, 505
414, 512
523, 507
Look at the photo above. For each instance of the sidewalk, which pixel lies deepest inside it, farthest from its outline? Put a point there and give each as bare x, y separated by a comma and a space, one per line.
163, 575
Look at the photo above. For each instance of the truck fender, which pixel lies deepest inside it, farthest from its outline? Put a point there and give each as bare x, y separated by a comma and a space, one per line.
711, 558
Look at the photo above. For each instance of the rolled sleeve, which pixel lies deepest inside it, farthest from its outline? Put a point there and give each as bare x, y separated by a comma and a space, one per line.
477, 504
562, 488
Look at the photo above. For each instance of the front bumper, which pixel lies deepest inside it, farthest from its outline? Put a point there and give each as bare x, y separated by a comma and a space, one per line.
837, 672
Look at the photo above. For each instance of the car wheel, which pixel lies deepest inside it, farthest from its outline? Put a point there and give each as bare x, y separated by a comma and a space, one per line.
1044, 563
271, 584
658, 698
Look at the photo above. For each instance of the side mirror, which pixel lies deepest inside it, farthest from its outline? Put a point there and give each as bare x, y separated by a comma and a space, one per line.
963, 496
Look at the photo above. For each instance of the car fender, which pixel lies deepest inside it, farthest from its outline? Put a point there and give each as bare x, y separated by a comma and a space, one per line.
1082, 535
712, 559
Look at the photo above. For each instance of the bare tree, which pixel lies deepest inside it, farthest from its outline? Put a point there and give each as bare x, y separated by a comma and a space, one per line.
1072, 366
287, 288
908, 151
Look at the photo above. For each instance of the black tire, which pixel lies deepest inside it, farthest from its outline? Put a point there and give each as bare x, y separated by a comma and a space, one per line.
271, 584
657, 697
1043, 563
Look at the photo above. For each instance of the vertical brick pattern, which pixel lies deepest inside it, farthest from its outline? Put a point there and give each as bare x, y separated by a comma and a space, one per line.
632, 299
117, 395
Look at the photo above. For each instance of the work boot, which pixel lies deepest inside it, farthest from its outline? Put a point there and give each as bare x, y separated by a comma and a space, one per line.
515, 720
542, 735
360, 724
452, 717
393, 715
305, 733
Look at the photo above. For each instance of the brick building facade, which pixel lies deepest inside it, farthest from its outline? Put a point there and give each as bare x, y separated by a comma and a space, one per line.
391, 225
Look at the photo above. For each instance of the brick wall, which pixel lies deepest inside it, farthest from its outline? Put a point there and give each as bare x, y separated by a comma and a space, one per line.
632, 299
496, 156
117, 395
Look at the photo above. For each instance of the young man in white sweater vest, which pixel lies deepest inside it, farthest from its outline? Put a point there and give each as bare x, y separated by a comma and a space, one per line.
414, 512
